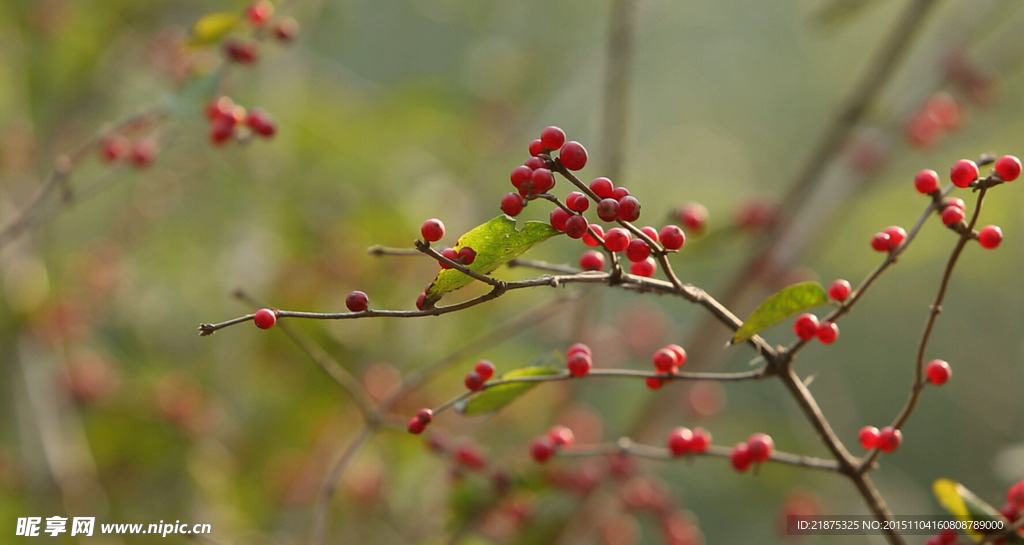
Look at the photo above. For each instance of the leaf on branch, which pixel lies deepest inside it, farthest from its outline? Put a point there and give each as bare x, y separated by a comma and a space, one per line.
496, 242
495, 398
785, 303
213, 27
967, 507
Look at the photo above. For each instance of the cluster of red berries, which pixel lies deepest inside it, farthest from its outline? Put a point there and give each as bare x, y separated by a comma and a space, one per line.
807, 327
682, 441
758, 448
666, 360
117, 147
229, 120
545, 446
419, 422
258, 15
889, 239
481, 373
432, 230
887, 439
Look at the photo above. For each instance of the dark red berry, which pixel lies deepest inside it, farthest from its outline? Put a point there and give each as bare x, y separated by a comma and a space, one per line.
868, 437
579, 364
425, 415
963, 172
926, 181
558, 218
806, 326
619, 192
242, 52
990, 236
952, 215
222, 129
432, 230
578, 348
474, 381
645, 268
520, 175
839, 290
672, 237
693, 216
286, 29
542, 449
552, 137
451, 254
678, 441
896, 236
561, 436
512, 204
573, 155
592, 260
421, 301
680, 353
700, 441
357, 301
938, 372
880, 242
543, 180
760, 447
259, 12
265, 318
651, 232
638, 250
665, 360
533, 163
576, 226
536, 148
466, 255
617, 239
485, 369
1008, 168
740, 458
589, 237
577, 202
416, 426
889, 439
261, 122
602, 187
654, 383
629, 208
828, 332
608, 209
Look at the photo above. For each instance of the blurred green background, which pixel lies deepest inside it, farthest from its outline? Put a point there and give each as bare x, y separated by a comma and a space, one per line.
393, 112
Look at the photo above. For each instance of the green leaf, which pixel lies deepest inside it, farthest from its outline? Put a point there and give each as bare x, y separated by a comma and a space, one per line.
495, 398
785, 303
496, 242
212, 27
967, 507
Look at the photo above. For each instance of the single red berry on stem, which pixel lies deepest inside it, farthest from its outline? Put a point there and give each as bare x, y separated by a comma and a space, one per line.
485, 369
957, 202
889, 439
828, 332
602, 187
654, 383
963, 172
645, 268
952, 215
576, 226
589, 237
896, 236
466, 255
806, 326
512, 204
700, 441
357, 301
432, 230
990, 236
542, 449
265, 318
520, 175
1008, 168
561, 436
839, 290
552, 137
760, 447
868, 437
629, 208
558, 218
679, 440
543, 180
938, 372
617, 239
926, 181
416, 426
740, 458
261, 122
573, 155
592, 260
680, 353
880, 242
608, 209
672, 237
651, 232
425, 415
619, 192
637, 250
665, 360
579, 364
451, 254
259, 12
536, 148
474, 381
577, 202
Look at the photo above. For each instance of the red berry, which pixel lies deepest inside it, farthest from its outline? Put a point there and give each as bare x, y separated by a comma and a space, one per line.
536, 148
938, 372
700, 441
533, 163
265, 318
589, 239
561, 436
451, 254
576, 226
619, 192
261, 122
602, 187
839, 290
512, 204
952, 215
760, 447
963, 172
485, 369
357, 301
579, 364
543, 180
651, 232
114, 147
665, 360
679, 440
608, 209
577, 202
286, 29
552, 137
259, 12
638, 250
617, 239
242, 52
740, 458
1015, 495
693, 216
868, 437
629, 208
828, 332
592, 260
990, 236
542, 449
416, 426
806, 326
143, 152
959, 203
880, 242
672, 237
680, 353
219, 107
645, 268
222, 129
470, 456
573, 155
425, 415
520, 175
474, 381
654, 383
466, 255
421, 301
578, 348
889, 439
558, 218
926, 181
432, 230
1008, 168
896, 236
